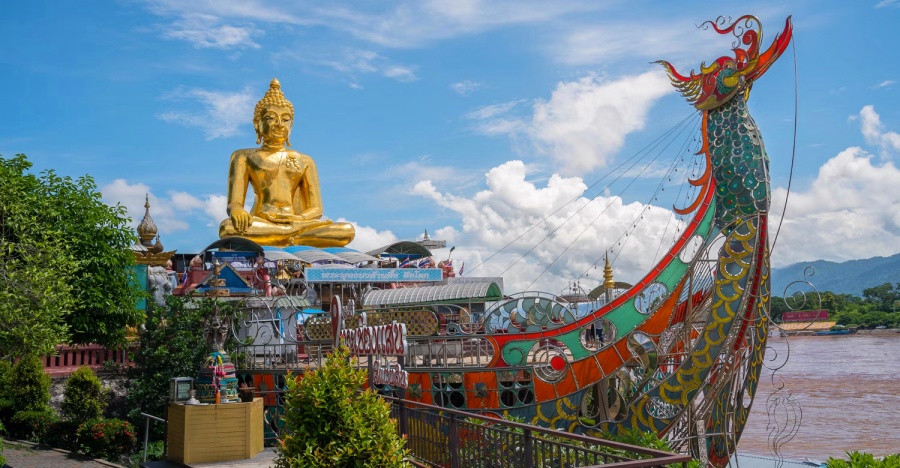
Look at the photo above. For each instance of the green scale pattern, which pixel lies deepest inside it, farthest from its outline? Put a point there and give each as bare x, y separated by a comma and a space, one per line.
739, 161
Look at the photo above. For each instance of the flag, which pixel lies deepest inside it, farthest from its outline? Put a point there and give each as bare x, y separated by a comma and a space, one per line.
424, 263
185, 281
406, 263
461, 268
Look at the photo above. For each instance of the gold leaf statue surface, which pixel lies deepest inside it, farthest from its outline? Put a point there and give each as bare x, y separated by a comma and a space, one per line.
287, 209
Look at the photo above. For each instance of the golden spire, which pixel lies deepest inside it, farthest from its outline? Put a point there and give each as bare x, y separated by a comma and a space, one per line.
608, 282
157, 247
147, 229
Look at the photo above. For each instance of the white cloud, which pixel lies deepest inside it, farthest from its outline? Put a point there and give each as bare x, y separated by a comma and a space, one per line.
404, 24
886, 84
578, 234
874, 133
369, 238
584, 123
205, 32
498, 119
851, 210
603, 42
399, 73
355, 61
221, 114
888, 4
465, 87
171, 213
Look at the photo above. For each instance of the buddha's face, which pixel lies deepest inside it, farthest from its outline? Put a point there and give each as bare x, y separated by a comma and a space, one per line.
275, 124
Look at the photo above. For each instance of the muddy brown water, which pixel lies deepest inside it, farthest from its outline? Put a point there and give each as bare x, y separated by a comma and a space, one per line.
844, 395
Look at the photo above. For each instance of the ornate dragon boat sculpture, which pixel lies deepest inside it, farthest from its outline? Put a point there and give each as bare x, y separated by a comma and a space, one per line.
679, 353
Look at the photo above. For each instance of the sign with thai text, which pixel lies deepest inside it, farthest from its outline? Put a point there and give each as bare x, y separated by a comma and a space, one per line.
388, 340
373, 275
391, 374
804, 315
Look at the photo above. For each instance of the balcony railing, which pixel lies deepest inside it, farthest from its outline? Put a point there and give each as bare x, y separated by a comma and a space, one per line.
440, 437
70, 358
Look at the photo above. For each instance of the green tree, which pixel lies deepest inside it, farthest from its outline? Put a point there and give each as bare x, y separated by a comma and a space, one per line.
170, 345
66, 262
882, 297
330, 422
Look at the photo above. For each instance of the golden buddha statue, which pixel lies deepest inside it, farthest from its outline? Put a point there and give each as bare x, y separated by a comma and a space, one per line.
288, 205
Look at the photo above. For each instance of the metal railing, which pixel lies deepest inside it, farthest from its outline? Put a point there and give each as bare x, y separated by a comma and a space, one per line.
440, 437
147, 418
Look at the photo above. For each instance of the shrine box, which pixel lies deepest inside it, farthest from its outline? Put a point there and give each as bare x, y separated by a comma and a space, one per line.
214, 433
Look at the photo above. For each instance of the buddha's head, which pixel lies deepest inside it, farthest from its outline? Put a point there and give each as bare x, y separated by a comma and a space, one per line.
273, 116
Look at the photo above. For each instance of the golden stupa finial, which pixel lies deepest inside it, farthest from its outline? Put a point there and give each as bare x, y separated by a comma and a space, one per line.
147, 229
157, 247
608, 282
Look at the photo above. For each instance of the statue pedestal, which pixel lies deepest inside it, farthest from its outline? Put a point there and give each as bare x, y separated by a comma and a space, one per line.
213, 433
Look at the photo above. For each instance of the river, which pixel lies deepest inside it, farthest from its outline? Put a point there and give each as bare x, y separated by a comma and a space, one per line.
846, 390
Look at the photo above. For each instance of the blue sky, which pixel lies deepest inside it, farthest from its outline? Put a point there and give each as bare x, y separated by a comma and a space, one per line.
474, 120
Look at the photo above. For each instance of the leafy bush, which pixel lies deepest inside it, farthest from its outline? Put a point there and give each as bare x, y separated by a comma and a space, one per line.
864, 460
29, 387
32, 425
155, 451
108, 439
84, 397
7, 408
330, 423
169, 345
62, 435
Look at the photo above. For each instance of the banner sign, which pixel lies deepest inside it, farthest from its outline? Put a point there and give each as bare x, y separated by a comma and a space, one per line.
373, 275
388, 340
804, 315
391, 374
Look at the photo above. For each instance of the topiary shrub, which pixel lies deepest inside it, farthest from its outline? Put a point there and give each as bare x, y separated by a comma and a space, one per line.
331, 423
109, 439
32, 425
28, 385
84, 397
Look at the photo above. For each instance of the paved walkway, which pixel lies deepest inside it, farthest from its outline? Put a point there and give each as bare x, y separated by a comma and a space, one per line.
21, 454
266, 458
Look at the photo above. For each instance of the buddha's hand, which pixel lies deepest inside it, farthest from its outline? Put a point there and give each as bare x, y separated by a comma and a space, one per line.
240, 219
282, 218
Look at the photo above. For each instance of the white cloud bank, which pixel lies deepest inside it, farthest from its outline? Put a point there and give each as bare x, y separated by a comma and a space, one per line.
170, 213
508, 217
851, 210
583, 123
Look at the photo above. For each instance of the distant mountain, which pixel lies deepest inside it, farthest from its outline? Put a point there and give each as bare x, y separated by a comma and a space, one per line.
850, 277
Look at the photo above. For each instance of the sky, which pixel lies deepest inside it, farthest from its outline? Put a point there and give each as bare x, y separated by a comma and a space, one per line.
532, 136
